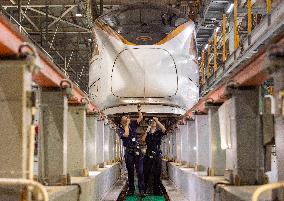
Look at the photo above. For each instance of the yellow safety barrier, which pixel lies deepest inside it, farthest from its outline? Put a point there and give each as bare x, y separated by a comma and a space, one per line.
203, 66
236, 35
224, 58
249, 16
208, 58
215, 51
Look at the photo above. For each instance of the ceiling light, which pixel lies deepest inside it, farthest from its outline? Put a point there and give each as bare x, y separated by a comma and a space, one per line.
79, 15
199, 58
230, 8
206, 46
217, 29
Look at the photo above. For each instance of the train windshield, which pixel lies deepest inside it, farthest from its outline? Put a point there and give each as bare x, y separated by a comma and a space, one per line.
143, 24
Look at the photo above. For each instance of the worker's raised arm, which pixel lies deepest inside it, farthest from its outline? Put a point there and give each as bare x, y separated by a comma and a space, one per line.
140, 117
161, 126
126, 128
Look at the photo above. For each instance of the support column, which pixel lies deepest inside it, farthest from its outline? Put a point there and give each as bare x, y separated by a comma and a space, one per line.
202, 142
53, 137
91, 123
184, 144
178, 144
239, 123
76, 146
106, 144
217, 156
279, 120
100, 143
16, 150
191, 143
276, 57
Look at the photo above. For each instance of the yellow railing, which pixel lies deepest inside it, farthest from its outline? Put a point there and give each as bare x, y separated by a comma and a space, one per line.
215, 40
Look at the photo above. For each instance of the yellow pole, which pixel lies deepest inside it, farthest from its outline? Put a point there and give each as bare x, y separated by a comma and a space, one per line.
203, 66
249, 16
236, 39
208, 58
268, 6
224, 38
215, 51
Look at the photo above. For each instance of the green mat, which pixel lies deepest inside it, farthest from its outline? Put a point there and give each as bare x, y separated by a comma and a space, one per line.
147, 198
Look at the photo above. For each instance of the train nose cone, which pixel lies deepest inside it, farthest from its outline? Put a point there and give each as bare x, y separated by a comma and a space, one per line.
144, 72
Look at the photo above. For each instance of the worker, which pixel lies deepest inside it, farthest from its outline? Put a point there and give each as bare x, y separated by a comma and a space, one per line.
153, 159
133, 154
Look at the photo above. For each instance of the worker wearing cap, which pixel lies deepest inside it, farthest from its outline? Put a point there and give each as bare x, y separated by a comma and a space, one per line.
153, 160
133, 156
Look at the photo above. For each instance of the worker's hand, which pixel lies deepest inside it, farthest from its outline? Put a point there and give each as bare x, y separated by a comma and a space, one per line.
155, 119
148, 129
128, 121
139, 107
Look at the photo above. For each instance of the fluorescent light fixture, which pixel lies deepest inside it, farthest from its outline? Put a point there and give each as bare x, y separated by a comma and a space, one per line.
217, 29
206, 46
230, 8
79, 15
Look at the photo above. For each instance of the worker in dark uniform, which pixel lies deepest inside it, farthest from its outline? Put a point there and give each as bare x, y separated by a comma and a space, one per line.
153, 160
133, 155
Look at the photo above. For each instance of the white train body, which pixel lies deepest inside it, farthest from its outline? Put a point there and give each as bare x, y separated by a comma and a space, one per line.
160, 75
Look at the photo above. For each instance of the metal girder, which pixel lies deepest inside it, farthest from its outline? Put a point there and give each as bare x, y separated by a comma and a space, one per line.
61, 20
49, 75
29, 20
62, 15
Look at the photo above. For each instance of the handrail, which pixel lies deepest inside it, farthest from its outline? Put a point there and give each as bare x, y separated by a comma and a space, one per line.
26, 182
264, 188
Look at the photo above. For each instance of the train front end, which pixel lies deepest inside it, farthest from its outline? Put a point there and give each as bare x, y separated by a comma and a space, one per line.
144, 54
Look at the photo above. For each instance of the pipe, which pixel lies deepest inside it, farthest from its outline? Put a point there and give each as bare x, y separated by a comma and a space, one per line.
266, 187
272, 100
26, 182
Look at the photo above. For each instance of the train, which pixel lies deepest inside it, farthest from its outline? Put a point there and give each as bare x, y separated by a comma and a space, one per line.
145, 54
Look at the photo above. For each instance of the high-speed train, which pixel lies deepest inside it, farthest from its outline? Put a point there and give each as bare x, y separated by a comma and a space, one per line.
144, 54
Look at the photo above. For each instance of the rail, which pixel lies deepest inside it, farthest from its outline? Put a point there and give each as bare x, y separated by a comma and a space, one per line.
266, 187
32, 186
